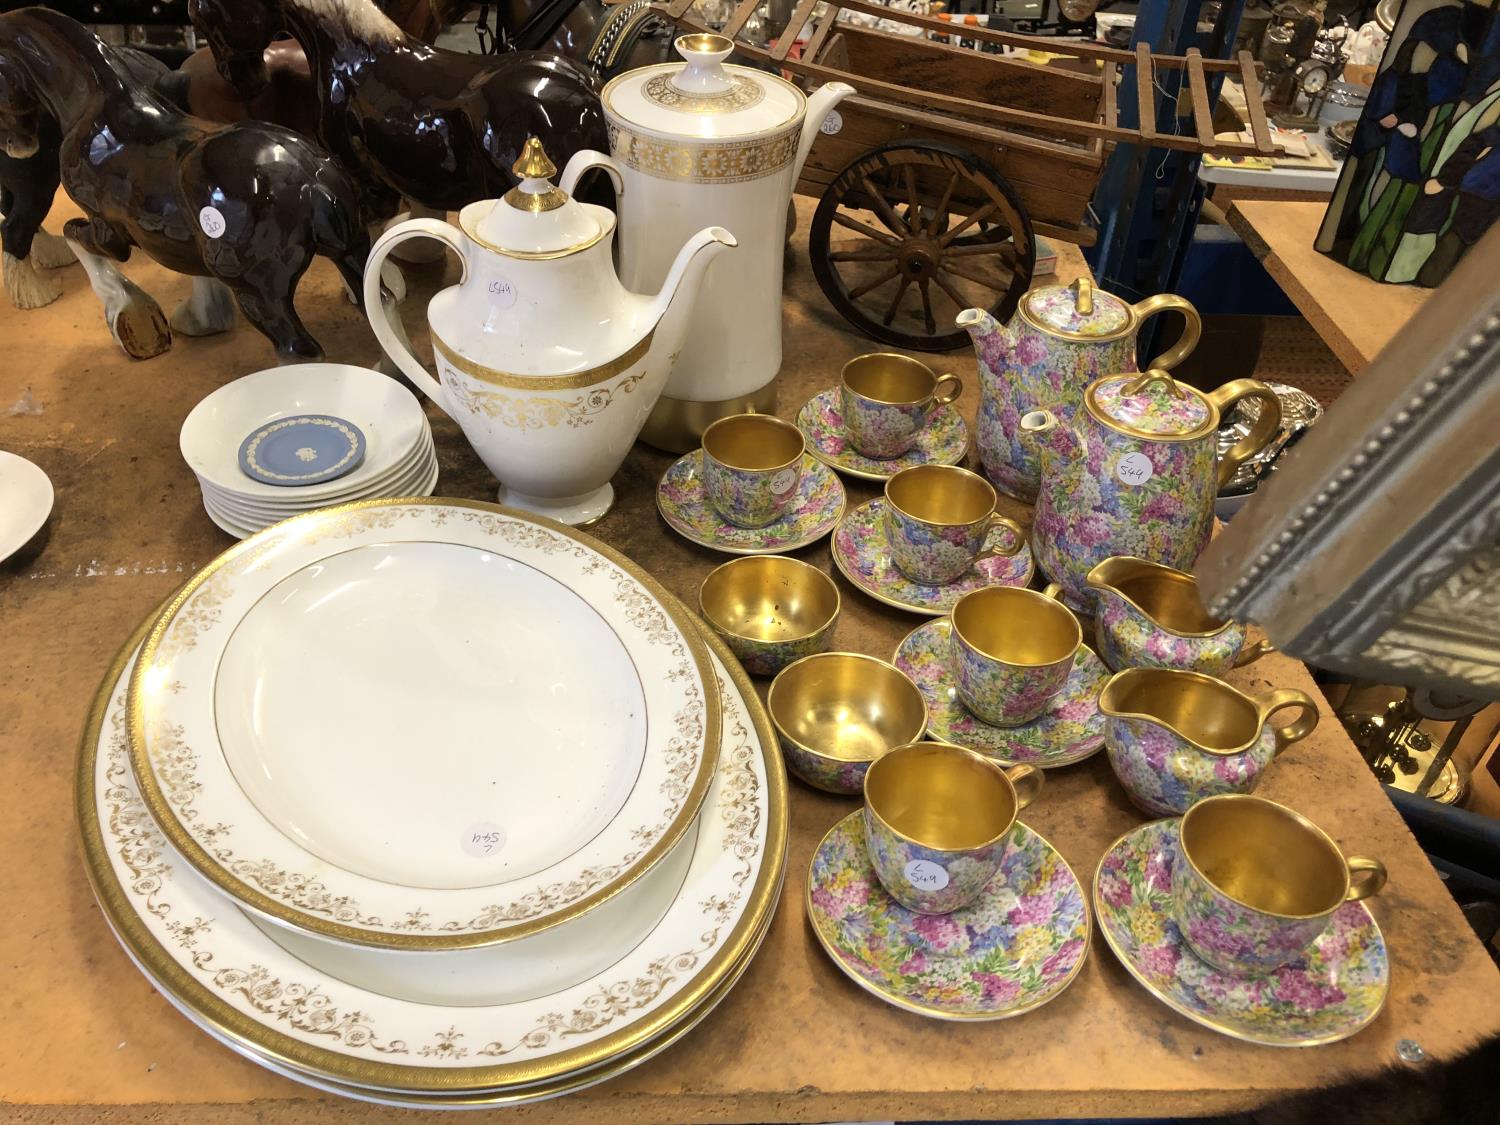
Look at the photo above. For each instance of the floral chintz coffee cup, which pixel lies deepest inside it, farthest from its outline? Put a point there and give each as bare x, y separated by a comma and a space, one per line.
938, 522
1255, 883
1013, 650
751, 466
888, 399
938, 820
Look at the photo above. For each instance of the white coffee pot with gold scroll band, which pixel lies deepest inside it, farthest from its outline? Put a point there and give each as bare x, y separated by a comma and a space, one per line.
700, 142
548, 363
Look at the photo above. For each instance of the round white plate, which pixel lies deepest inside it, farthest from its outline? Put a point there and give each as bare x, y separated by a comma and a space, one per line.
25, 502
387, 414
422, 724
214, 963
396, 484
232, 525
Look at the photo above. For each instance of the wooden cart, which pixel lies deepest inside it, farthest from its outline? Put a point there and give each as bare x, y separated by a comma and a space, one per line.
936, 176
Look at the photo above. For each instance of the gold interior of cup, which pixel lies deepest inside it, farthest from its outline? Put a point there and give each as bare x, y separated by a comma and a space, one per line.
1017, 626
704, 42
941, 796
886, 377
1207, 712
753, 441
941, 494
1170, 598
1265, 856
769, 598
846, 706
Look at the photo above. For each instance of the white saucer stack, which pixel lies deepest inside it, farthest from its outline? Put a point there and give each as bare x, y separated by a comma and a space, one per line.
399, 459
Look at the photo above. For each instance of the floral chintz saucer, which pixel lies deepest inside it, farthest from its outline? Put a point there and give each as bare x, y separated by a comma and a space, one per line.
943, 441
1011, 950
1069, 730
1332, 991
862, 552
814, 512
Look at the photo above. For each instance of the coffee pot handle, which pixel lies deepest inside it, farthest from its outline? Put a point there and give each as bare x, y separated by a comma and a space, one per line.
1300, 727
1267, 425
385, 318
585, 159
1192, 327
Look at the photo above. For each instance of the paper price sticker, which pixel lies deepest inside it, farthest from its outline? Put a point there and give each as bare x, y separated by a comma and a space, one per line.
926, 875
482, 840
211, 221
1134, 469
832, 123
783, 481
503, 292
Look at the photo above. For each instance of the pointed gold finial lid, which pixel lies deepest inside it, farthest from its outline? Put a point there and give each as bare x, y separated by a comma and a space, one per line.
536, 217
534, 164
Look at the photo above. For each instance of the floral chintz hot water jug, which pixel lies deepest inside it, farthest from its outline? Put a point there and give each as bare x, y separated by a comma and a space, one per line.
1135, 473
1062, 338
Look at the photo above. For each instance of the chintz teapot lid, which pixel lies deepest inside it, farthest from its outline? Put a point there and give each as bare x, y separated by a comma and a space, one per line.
1151, 404
701, 97
536, 219
1077, 311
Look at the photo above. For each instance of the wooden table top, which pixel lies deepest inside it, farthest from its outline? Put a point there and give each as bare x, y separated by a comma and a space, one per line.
1355, 315
85, 1038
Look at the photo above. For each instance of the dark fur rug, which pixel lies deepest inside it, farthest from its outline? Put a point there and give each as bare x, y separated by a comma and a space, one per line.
1463, 1092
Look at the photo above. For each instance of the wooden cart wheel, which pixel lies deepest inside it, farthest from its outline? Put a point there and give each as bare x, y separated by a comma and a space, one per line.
911, 234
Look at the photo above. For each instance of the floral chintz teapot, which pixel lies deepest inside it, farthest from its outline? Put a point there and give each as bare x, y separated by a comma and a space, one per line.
1134, 473
1061, 339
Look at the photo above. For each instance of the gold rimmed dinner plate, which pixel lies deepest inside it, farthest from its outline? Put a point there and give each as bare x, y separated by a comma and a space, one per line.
252, 993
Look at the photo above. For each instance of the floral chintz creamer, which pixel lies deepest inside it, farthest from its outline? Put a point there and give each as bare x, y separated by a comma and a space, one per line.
1016, 946
1335, 988
1146, 490
1129, 639
944, 880
1166, 774
1231, 936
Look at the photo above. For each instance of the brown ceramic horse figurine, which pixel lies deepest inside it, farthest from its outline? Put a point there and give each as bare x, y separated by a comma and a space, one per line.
248, 205
439, 127
611, 37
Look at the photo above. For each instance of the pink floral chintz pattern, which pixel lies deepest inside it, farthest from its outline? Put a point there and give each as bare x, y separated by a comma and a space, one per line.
1108, 493
829, 774
943, 441
1233, 937
1022, 369
881, 430
1069, 730
749, 497
1057, 307
1129, 639
1015, 947
1001, 694
1334, 988
862, 553
960, 876
1155, 408
936, 555
766, 658
1166, 774
813, 513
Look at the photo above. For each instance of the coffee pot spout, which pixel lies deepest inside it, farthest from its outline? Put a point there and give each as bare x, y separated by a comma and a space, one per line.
979, 324
1056, 440
671, 309
818, 106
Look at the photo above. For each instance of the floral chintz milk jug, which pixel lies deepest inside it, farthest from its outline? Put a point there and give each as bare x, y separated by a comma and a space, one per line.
1135, 473
1061, 338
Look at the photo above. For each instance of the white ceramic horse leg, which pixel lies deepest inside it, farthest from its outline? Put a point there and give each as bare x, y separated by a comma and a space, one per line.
26, 287
209, 310
50, 251
418, 251
135, 320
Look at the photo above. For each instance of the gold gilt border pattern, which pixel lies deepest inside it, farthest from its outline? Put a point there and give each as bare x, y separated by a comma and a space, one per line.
713, 162
576, 381
540, 412
741, 95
